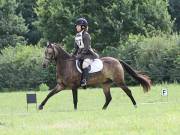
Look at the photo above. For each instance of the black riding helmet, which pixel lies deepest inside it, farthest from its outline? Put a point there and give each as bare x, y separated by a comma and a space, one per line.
82, 22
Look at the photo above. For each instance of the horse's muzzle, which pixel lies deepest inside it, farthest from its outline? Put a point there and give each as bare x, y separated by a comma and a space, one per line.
44, 65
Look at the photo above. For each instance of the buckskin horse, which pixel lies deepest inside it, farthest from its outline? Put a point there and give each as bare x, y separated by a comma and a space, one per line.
67, 75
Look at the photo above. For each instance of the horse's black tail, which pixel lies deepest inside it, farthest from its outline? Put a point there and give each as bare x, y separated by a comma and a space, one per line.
142, 79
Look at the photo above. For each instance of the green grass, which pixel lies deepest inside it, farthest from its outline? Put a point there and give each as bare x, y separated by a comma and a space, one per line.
154, 116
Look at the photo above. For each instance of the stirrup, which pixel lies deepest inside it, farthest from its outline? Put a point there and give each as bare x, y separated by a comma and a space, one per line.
83, 83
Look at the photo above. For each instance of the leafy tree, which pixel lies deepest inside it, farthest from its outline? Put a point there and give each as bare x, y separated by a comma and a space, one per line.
20, 67
159, 56
12, 26
156, 56
145, 17
174, 9
110, 22
26, 8
54, 19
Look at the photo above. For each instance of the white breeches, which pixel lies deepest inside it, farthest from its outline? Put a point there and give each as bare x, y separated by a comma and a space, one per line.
86, 63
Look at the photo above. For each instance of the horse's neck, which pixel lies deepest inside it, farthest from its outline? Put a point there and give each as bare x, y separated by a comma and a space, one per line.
62, 58
64, 65
62, 55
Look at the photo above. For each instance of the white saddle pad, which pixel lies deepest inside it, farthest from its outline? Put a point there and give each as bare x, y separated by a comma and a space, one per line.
96, 66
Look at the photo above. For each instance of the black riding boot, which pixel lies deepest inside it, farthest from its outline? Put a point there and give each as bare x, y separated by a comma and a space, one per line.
84, 77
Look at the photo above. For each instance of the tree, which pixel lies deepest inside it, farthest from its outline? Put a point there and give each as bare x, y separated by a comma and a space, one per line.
20, 68
145, 17
110, 22
174, 9
12, 26
26, 8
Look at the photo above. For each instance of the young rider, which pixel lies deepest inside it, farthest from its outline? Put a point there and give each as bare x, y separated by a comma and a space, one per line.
83, 50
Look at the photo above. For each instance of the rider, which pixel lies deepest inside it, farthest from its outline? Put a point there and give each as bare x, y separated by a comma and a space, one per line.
83, 50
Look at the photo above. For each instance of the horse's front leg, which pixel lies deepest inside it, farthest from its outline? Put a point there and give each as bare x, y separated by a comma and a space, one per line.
58, 88
75, 97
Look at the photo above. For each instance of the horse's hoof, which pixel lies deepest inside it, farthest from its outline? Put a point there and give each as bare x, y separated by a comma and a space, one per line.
40, 107
135, 106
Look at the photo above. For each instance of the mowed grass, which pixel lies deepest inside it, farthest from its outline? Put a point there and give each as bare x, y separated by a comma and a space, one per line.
154, 116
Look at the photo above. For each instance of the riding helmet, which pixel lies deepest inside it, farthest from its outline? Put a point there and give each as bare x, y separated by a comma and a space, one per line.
82, 22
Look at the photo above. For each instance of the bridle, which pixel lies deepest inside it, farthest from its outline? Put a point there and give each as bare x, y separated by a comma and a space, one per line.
53, 53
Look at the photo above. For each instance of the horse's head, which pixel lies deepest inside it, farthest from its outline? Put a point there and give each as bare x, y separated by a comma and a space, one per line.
49, 54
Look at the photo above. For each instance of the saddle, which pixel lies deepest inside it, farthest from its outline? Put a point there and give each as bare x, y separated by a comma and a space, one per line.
96, 66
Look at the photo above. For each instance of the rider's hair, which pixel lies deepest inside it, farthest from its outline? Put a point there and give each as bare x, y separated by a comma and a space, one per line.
84, 28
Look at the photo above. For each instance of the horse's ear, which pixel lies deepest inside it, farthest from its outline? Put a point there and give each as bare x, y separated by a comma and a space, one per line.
49, 44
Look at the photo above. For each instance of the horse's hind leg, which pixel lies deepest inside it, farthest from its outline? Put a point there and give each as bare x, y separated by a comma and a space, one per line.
107, 93
57, 89
128, 92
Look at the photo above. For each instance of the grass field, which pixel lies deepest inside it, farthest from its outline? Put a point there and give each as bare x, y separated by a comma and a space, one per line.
154, 115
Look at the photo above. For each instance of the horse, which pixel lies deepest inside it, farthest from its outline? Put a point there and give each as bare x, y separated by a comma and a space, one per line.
68, 76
